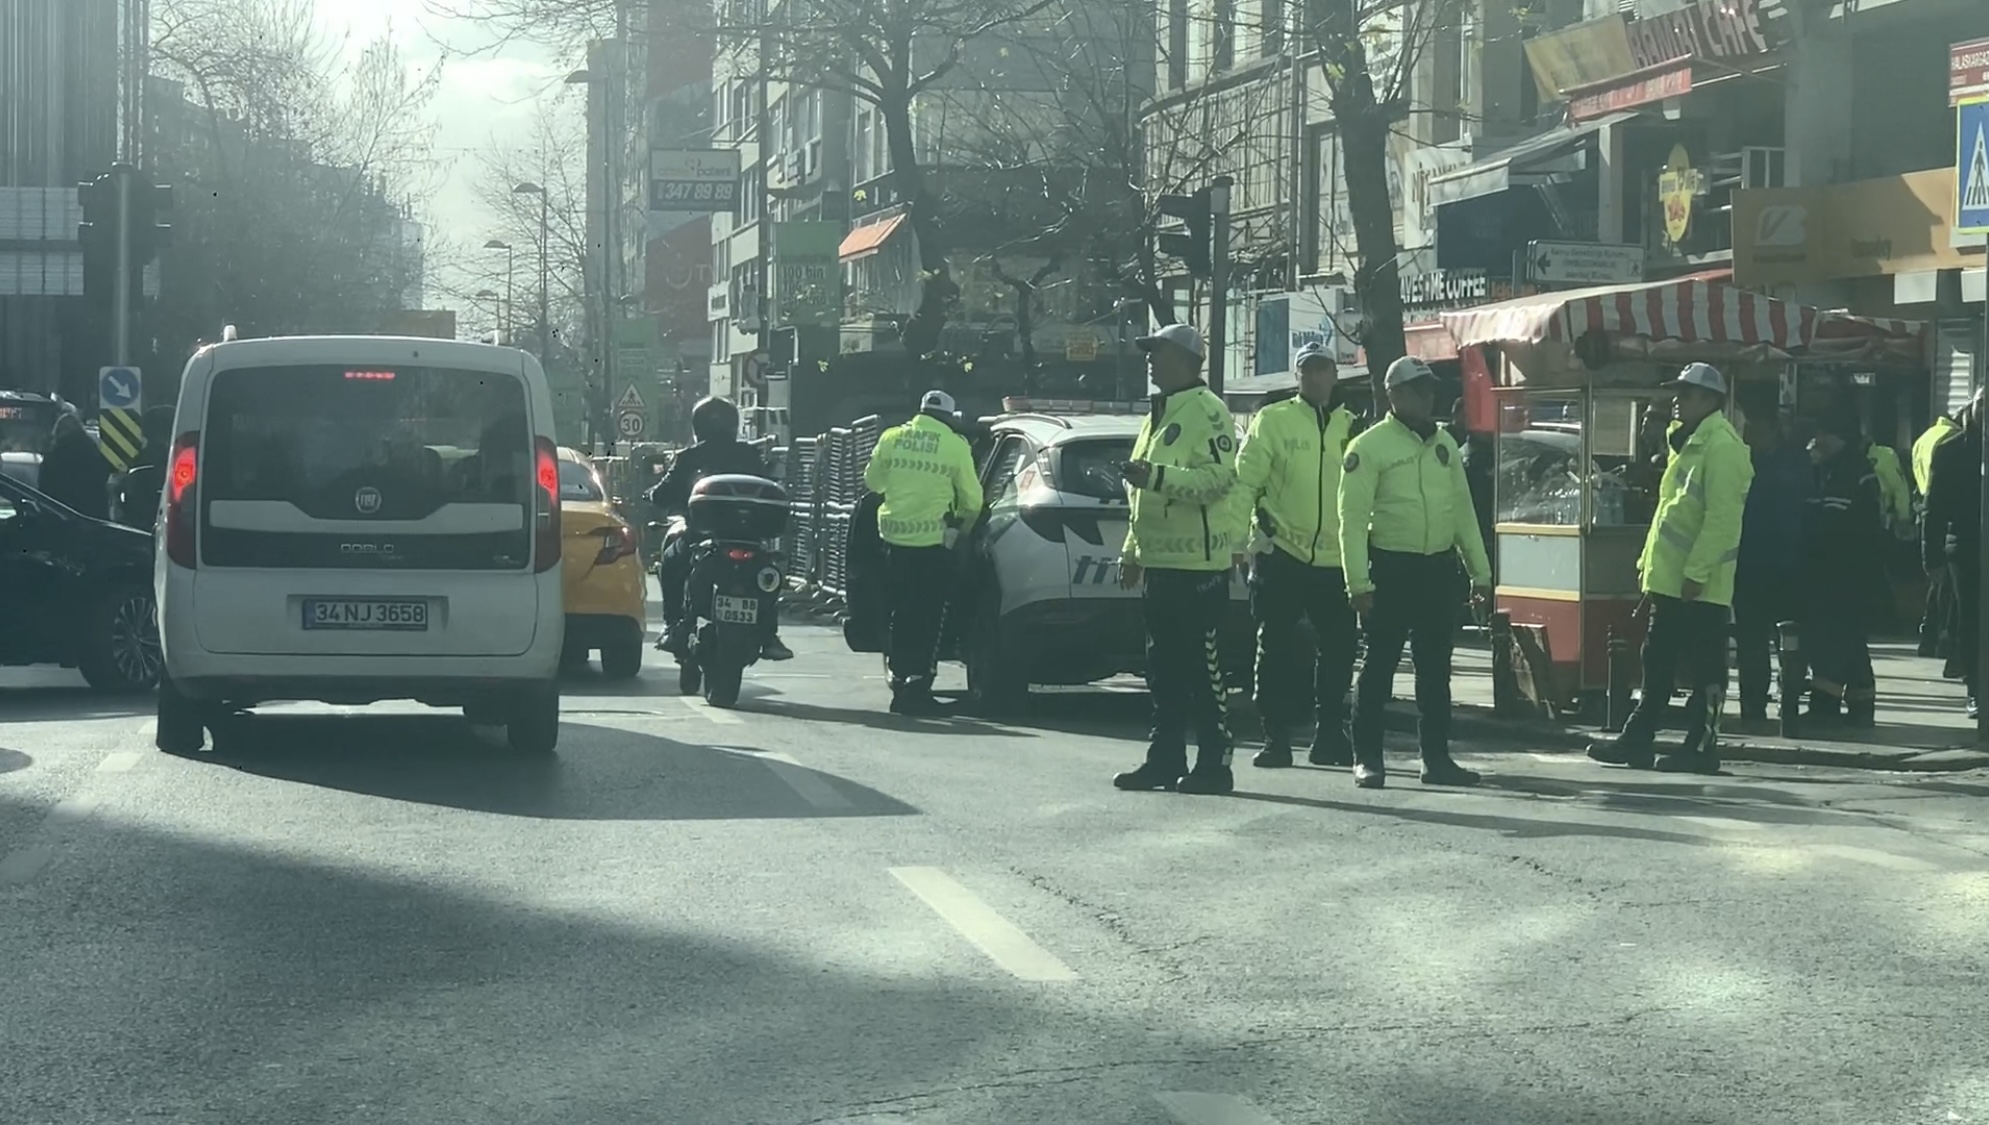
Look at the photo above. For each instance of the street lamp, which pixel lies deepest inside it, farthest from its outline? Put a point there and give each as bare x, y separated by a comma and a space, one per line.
545, 266
493, 295
611, 246
509, 259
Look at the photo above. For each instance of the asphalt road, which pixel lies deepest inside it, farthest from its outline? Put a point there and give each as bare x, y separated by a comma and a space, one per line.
807, 911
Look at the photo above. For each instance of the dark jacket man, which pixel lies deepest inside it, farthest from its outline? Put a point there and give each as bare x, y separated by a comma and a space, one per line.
74, 472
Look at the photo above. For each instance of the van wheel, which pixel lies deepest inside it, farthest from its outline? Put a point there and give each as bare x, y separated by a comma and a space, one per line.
181, 727
121, 642
997, 683
534, 725
622, 660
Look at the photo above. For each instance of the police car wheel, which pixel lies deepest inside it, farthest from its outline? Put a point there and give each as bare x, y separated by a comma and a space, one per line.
996, 681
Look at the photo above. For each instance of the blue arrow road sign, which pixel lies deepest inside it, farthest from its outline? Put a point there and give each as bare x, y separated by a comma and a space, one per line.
120, 388
1971, 167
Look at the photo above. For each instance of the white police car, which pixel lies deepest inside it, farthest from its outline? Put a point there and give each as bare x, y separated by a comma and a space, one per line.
1044, 603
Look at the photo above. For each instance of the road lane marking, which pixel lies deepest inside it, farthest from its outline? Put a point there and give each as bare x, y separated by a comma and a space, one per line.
73, 810
24, 863
705, 710
1873, 857
1721, 823
121, 762
813, 787
1211, 1109
978, 923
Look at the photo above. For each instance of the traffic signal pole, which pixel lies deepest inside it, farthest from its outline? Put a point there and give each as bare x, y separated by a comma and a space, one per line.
121, 177
1218, 333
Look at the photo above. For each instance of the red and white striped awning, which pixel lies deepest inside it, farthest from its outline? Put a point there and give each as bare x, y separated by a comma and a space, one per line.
1682, 310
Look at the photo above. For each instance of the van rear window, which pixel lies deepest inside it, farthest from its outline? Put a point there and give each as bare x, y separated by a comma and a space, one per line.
414, 439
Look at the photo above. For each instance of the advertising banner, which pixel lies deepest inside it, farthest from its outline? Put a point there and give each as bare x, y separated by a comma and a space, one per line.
808, 278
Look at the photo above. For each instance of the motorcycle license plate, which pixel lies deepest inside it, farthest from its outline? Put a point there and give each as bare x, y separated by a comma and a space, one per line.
736, 611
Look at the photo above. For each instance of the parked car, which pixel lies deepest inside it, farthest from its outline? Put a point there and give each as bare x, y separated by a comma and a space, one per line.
75, 591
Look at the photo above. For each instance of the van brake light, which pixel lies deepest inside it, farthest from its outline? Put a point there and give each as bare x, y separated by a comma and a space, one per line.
546, 522
183, 475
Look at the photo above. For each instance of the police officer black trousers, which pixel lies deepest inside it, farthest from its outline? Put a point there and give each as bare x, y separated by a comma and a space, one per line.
1415, 606
1183, 611
1837, 642
1760, 604
921, 580
1692, 634
1283, 593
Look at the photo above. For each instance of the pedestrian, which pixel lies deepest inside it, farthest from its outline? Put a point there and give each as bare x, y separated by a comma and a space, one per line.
1288, 485
1951, 544
74, 471
1405, 518
717, 451
1687, 567
1179, 540
1845, 573
1934, 612
924, 470
1768, 577
139, 489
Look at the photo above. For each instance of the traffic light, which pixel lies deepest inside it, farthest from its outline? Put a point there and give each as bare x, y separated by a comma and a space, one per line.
98, 234
151, 205
1196, 246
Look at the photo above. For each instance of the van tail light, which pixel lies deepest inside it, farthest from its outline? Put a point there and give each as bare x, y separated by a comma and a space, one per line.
545, 538
617, 542
182, 499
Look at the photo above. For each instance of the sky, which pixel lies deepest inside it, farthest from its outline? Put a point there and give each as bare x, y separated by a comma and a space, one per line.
482, 100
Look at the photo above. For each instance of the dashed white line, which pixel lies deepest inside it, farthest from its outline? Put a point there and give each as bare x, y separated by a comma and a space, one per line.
1873, 857
121, 762
812, 787
978, 923
1211, 1109
73, 810
705, 710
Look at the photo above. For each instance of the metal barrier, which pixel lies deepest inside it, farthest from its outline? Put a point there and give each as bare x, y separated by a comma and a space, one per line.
825, 485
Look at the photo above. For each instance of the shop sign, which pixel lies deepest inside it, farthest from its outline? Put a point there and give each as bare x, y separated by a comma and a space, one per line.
1587, 54
1968, 71
699, 180
1445, 289
808, 278
1419, 167
1678, 185
1672, 82
1710, 29
1871, 228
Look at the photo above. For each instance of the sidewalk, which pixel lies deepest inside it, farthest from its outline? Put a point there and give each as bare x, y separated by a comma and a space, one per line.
1922, 721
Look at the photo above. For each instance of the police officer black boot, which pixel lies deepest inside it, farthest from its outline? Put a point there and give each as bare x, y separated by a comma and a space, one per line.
1371, 773
1700, 752
1439, 768
1276, 753
1331, 744
1633, 749
1162, 769
913, 698
1211, 775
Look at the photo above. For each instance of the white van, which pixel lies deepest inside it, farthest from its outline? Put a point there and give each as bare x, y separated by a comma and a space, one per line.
355, 518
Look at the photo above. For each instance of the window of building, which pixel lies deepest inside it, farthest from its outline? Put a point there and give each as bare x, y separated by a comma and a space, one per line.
1223, 57
1177, 43
752, 194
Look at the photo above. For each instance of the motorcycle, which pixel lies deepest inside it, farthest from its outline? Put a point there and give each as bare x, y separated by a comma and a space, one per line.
732, 601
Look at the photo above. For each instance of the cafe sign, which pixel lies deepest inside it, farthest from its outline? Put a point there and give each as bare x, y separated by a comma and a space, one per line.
1678, 185
1445, 289
1710, 29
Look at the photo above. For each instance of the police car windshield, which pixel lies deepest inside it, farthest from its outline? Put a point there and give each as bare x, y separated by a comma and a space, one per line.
1091, 468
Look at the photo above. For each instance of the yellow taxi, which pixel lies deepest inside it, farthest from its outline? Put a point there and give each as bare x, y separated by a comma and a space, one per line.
606, 588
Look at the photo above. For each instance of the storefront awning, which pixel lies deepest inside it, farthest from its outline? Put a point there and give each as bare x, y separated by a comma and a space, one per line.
867, 240
1688, 310
1495, 172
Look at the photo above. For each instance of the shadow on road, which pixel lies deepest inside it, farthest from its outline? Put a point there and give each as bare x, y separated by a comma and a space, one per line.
59, 704
878, 718
1524, 828
600, 773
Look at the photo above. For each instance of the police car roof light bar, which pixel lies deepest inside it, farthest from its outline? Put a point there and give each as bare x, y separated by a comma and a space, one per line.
1050, 407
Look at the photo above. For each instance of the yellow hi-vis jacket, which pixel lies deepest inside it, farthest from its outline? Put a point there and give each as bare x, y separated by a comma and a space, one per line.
1696, 532
1943, 428
1289, 469
925, 472
1182, 519
1402, 492
1894, 498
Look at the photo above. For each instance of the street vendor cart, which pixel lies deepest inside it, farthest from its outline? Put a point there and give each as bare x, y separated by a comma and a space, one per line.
1580, 420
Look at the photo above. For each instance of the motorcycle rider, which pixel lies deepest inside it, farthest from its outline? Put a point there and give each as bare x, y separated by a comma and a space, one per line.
716, 451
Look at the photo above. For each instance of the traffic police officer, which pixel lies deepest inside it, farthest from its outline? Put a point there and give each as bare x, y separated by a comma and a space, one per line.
1288, 485
1690, 555
1178, 544
924, 470
1405, 516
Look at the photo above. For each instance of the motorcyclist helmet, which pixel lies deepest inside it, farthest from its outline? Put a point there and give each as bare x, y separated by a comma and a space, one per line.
715, 419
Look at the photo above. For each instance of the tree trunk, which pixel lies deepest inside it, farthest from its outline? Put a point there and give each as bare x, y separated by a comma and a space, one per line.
938, 292
1362, 124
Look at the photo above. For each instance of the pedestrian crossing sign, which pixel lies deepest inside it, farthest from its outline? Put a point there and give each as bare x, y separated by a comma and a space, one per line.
1971, 179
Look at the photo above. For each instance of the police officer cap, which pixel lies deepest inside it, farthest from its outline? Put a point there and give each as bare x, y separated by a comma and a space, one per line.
1310, 352
938, 402
1408, 369
1701, 375
1182, 336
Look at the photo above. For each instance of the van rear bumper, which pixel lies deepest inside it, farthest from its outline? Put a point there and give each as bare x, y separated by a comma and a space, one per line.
440, 682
